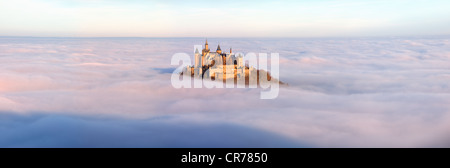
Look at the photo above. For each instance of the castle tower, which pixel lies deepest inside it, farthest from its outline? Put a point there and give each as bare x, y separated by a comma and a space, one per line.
198, 64
198, 59
218, 49
205, 51
240, 63
231, 51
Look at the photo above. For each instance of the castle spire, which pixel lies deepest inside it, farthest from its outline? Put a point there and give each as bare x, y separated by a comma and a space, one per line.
206, 44
218, 49
231, 51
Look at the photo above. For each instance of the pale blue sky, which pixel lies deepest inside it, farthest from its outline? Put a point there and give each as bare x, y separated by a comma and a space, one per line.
235, 18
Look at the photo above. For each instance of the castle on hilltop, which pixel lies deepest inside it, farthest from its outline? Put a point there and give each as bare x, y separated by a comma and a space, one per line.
223, 66
218, 64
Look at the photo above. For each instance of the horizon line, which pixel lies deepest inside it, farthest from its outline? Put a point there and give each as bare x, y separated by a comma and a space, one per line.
305, 37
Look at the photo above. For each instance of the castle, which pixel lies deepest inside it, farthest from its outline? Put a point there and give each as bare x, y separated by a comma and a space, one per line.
218, 65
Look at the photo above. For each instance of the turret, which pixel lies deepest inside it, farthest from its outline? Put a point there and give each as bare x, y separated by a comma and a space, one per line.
198, 59
218, 49
205, 51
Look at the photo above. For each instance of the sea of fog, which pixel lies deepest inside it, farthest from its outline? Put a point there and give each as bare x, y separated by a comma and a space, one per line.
116, 92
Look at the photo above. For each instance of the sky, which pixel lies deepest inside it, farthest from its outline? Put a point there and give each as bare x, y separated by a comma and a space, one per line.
234, 18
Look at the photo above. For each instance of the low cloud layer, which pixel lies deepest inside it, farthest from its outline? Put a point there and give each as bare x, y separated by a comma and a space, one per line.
164, 131
390, 92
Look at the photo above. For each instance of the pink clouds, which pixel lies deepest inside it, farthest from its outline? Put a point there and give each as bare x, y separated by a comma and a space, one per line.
355, 93
10, 83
